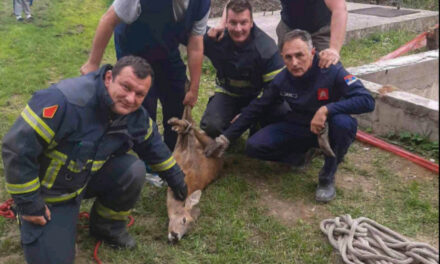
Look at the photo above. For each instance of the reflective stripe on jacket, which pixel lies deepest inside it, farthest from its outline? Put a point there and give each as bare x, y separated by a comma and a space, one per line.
244, 71
66, 133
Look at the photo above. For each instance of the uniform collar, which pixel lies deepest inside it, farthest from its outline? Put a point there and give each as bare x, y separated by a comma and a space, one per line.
105, 101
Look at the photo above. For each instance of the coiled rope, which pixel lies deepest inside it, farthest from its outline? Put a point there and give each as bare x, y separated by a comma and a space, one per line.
362, 240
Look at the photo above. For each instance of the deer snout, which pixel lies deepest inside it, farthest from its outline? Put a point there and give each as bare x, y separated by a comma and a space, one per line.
173, 237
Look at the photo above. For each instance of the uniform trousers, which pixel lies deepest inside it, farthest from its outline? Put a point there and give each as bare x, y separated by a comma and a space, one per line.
116, 186
286, 141
222, 108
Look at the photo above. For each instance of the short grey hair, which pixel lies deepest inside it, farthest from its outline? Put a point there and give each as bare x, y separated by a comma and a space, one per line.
298, 34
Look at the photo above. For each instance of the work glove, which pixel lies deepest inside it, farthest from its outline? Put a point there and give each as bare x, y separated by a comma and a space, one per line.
180, 191
217, 147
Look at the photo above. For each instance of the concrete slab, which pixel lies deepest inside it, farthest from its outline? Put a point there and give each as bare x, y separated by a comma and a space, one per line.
412, 102
401, 111
416, 74
358, 25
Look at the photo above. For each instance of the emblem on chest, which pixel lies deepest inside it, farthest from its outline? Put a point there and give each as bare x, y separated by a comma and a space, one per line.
322, 94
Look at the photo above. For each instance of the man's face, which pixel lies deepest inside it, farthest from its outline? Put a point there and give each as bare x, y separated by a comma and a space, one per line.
239, 25
297, 56
126, 90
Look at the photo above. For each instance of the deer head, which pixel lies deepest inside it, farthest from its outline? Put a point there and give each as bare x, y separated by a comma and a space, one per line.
182, 215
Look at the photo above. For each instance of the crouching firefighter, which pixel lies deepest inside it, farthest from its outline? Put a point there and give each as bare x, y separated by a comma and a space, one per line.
71, 142
320, 100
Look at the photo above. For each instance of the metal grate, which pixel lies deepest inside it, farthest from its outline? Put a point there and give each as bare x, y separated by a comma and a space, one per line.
382, 12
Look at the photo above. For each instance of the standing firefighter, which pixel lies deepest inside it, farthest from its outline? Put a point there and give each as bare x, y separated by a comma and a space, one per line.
71, 142
153, 29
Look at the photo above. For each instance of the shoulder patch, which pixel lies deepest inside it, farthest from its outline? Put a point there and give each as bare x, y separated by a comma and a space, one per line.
49, 112
349, 79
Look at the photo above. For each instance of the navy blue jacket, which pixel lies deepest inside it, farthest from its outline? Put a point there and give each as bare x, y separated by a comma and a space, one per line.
155, 35
244, 70
308, 15
333, 87
66, 133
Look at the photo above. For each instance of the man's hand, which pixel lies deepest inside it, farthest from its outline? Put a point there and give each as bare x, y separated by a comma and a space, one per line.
190, 98
88, 67
318, 121
216, 32
38, 220
180, 191
217, 147
328, 57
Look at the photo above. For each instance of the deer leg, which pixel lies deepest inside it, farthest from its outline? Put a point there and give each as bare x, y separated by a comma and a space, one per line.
203, 138
180, 126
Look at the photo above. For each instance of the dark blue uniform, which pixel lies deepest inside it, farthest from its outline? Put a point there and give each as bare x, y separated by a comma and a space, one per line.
312, 16
155, 36
242, 74
342, 93
308, 15
68, 144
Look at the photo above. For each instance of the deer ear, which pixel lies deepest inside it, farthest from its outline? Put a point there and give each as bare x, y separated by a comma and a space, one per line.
193, 199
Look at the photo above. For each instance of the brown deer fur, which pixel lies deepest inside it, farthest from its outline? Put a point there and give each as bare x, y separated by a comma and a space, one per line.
199, 172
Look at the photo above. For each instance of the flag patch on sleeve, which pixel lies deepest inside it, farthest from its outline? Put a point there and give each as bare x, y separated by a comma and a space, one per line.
349, 79
49, 112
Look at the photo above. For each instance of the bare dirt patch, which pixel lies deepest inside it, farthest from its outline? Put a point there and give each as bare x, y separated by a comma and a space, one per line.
11, 259
350, 182
430, 240
288, 212
356, 173
83, 256
366, 159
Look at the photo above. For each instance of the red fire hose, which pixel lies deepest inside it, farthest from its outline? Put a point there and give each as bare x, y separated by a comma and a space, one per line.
366, 138
98, 244
5, 209
416, 43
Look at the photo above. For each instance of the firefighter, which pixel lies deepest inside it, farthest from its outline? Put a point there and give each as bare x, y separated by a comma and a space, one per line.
315, 96
153, 29
71, 142
246, 60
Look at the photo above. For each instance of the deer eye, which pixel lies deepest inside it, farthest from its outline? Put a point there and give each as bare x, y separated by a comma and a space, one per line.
184, 220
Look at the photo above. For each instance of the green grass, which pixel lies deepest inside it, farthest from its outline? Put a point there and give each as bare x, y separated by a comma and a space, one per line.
235, 226
371, 48
415, 143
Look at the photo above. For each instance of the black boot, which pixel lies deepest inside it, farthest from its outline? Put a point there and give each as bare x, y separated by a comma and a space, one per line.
326, 187
112, 232
325, 192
